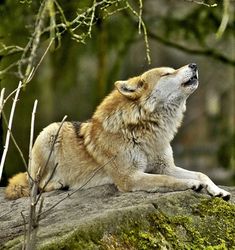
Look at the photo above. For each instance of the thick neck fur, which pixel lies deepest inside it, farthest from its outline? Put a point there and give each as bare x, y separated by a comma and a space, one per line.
117, 114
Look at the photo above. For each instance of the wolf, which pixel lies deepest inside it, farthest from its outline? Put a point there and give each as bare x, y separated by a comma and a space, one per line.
126, 142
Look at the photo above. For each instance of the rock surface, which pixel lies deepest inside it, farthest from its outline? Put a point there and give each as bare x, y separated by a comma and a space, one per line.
103, 218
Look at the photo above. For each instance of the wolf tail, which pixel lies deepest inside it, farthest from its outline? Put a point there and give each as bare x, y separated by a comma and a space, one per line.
18, 187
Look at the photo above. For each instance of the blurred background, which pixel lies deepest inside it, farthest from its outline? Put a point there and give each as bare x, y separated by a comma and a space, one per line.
80, 48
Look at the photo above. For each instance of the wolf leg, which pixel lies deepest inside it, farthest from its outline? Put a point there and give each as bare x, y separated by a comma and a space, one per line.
211, 188
154, 183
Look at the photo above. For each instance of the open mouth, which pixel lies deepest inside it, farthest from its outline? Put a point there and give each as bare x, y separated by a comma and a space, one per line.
193, 80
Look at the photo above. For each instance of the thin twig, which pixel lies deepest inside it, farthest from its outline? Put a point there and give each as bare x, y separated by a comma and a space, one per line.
32, 133
92, 18
2, 100
40, 61
40, 209
225, 19
10, 50
53, 144
147, 47
14, 141
140, 15
49, 156
25, 223
33, 184
46, 183
34, 41
9, 96
202, 3
9, 129
7, 69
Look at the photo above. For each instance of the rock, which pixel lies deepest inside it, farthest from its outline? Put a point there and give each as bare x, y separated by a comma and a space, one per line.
103, 218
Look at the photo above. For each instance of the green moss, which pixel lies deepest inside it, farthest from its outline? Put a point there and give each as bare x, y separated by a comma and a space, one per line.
210, 225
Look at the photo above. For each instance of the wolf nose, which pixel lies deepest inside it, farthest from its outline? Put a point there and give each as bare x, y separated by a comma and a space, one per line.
193, 66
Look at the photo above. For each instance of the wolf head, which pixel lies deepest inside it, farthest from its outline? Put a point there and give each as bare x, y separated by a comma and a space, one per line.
161, 86
156, 97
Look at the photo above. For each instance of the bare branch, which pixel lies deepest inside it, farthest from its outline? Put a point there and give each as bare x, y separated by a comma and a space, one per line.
33, 184
92, 18
53, 144
140, 15
40, 209
14, 141
141, 22
225, 19
36, 38
46, 183
9, 129
25, 223
39, 63
2, 100
202, 3
32, 133
34, 216
10, 49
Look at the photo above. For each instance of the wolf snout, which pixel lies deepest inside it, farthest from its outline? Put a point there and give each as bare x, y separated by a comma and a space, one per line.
193, 66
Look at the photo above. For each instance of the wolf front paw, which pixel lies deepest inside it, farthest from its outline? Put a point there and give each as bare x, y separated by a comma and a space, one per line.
218, 192
196, 185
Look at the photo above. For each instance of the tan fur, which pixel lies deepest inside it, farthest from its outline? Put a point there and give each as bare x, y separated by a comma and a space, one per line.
128, 138
18, 187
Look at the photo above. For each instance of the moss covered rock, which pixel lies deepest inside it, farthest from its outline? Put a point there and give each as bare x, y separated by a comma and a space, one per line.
102, 218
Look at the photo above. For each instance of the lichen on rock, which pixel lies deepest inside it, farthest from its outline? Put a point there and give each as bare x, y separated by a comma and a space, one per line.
103, 218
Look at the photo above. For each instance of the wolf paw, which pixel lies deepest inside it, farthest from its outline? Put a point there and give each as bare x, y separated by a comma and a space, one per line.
196, 185
219, 192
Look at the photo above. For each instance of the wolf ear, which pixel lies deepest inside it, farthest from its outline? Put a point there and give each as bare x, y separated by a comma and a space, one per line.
132, 88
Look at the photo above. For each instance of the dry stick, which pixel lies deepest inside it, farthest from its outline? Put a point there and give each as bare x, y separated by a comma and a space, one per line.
141, 22
39, 63
40, 209
2, 100
10, 49
36, 38
46, 183
92, 18
33, 184
31, 136
202, 3
14, 141
53, 144
225, 19
49, 156
9, 96
32, 133
33, 222
9, 129
25, 223
35, 226
7, 69
76, 190
140, 15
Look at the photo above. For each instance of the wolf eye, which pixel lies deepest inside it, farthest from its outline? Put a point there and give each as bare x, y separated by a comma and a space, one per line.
166, 74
